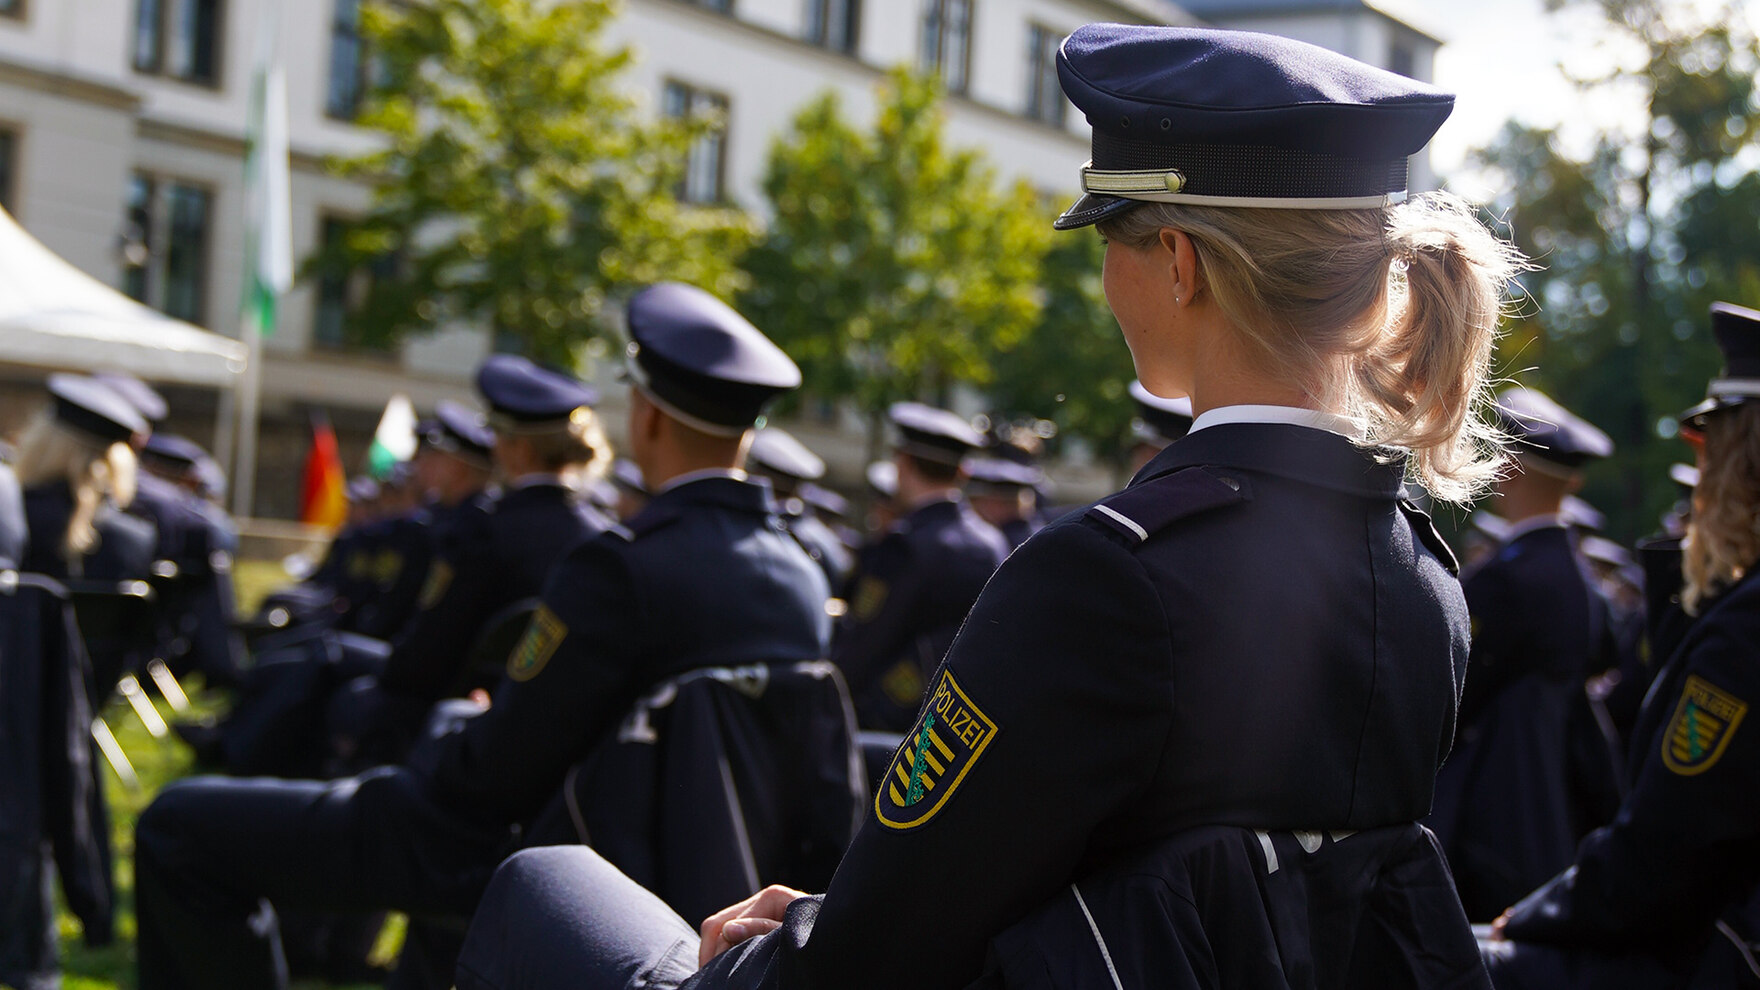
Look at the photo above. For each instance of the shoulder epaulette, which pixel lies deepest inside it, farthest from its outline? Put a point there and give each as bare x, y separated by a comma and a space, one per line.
1425, 527
1141, 510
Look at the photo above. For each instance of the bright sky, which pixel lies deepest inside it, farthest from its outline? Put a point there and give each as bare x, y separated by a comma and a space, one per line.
1502, 57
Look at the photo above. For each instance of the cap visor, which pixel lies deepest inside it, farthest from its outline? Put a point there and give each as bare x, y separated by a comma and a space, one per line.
1092, 209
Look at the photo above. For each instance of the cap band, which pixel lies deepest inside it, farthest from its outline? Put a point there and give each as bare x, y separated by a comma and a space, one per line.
1240, 175
1745, 387
638, 378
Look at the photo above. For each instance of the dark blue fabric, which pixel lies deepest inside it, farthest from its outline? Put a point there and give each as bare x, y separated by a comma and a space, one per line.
1684, 850
694, 353
523, 390
907, 597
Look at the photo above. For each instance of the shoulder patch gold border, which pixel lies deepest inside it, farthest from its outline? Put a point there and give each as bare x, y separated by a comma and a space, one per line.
1703, 723
950, 735
543, 635
434, 588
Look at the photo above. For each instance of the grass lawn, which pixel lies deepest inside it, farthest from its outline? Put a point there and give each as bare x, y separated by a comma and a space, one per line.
157, 762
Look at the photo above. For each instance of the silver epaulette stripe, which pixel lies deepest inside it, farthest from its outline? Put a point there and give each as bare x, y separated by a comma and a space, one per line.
1128, 522
1270, 853
1099, 939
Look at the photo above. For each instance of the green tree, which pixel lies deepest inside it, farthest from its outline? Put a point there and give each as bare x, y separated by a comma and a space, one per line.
1636, 237
1073, 367
894, 266
518, 186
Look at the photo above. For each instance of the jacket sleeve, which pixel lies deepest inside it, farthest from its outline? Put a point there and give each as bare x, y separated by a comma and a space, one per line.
428, 654
568, 679
1053, 709
1683, 843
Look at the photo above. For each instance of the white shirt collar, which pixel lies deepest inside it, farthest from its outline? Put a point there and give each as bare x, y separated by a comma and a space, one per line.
1548, 520
690, 476
1315, 419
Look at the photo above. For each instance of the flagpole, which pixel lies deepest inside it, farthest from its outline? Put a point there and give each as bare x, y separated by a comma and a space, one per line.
249, 412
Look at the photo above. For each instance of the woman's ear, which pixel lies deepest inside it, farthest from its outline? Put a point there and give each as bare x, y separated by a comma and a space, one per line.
1182, 265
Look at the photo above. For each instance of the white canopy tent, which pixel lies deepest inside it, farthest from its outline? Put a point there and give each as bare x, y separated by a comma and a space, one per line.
52, 315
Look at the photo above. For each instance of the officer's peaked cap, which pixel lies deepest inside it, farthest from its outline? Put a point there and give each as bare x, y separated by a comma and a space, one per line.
825, 500
777, 451
1001, 476
933, 434
461, 431
882, 477
95, 409
525, 393
181, 453
1548, 431
146, 401
1737, 330
1235, 118
701, 362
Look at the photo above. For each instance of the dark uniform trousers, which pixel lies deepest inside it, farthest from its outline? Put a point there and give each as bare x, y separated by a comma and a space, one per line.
908, 595
705, 576
1119, 685
1666, 895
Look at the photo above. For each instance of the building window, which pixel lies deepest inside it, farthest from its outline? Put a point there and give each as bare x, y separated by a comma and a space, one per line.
705, 169
835, 24
8, 169
719, 6
168, 272
1044, 95
1403, 58
947, 41
347, 69
341, 293
12, 8
179, 39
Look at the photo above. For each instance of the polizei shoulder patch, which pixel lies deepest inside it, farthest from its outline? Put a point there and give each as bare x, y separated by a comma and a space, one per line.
543, 635
949, 737
1703, 723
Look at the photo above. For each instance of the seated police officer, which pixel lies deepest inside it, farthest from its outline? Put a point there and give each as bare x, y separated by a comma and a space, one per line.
1184, 735
704, 576
912, 587
789, 466
1668, 894
1529, 777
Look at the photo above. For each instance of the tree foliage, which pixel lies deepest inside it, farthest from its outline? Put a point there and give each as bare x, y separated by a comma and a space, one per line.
1637, 236
894, 266
1073, 367
519, 185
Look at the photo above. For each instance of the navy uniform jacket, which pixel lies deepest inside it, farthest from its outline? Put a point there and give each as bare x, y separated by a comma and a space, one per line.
1685, 846
499, 552
1257, 632
124, 550
1531, 774
705, 575
907, 598
818, 540
395, 566
14, 531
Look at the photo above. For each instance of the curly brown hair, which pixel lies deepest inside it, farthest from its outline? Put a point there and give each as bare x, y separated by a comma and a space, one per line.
1723, 540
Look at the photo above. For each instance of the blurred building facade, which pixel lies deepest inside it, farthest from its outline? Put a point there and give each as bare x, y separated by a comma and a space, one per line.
123, 122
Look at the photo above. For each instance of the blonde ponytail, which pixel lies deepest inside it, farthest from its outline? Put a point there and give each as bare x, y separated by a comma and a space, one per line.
1723, 538
1386, 315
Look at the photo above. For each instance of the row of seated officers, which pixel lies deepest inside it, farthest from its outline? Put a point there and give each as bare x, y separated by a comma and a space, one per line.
1536, 766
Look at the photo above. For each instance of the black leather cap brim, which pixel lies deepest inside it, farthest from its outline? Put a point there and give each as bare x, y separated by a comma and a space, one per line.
1091, 209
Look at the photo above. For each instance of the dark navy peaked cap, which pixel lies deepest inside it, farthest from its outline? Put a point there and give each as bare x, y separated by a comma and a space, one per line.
1737, 329
458, 430
933, 434
777, 451
825, 500
1160, 421
180, 453
1234, 118
1002, 476
702, 363
95, 409
1549, 432
882, 478
145, 400
526, 394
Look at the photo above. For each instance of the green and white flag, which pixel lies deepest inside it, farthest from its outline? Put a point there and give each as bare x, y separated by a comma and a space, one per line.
395, 440
269, 250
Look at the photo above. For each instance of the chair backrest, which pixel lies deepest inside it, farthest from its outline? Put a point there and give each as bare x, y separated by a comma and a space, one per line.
720, 781
118, 622
1224, 906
